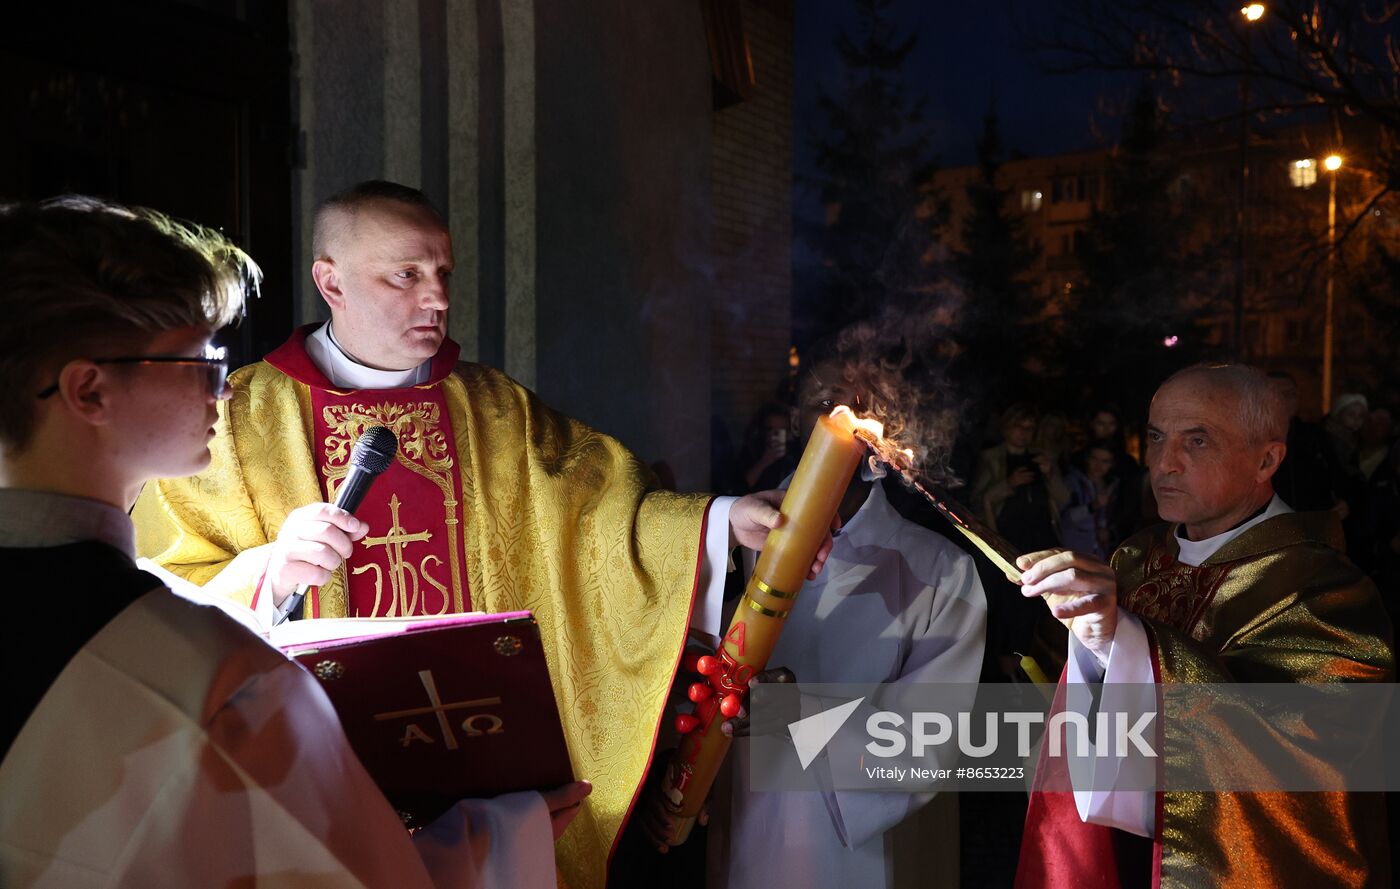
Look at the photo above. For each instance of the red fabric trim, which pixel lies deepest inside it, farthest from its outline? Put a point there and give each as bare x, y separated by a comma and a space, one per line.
675, 670
1160, 794
444, 362
257, 590
311, 605
292, 360
1059, 851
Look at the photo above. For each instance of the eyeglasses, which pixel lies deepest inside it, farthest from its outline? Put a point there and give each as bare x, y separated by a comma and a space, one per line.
215, 363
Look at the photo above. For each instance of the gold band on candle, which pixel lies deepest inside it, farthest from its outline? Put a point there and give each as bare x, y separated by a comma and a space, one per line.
769, 591
766, 612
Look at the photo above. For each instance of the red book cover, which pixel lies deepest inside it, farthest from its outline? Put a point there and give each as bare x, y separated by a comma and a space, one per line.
439, 709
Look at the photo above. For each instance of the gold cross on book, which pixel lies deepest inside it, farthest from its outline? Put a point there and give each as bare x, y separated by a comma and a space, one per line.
436, 706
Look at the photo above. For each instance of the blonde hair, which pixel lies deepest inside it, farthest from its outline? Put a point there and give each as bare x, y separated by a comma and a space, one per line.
79, 272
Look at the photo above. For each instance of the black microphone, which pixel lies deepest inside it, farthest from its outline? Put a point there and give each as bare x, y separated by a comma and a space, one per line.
373, 452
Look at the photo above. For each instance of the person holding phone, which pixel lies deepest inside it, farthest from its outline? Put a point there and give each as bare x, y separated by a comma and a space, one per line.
1093, 489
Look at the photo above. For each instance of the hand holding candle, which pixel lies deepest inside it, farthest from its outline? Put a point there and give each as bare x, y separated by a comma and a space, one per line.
789, 554
754, 516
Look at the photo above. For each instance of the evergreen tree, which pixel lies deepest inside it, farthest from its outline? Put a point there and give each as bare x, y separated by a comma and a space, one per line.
996, 333
1131, 322
875, 247
1365, 358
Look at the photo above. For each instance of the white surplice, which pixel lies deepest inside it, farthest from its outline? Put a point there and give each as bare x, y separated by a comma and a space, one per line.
896, 603
178, 749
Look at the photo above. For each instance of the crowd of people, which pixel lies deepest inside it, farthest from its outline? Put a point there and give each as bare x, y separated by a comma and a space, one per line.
1044, 479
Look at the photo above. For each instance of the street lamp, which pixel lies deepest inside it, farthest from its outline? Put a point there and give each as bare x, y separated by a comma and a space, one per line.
1252, 13
1332, 163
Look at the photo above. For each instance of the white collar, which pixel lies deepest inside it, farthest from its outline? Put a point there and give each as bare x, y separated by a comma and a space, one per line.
345, 372
1194, 552
44, 519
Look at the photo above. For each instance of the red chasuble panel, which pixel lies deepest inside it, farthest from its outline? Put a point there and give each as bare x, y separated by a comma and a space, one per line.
412, 561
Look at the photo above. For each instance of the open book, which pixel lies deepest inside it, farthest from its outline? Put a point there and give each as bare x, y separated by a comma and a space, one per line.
437, 708
291, 632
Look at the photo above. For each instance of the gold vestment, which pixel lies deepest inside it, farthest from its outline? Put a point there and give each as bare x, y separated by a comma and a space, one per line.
557, 519
1279, 603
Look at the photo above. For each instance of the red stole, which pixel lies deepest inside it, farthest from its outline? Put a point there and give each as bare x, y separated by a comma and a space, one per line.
413, 560
1058, 850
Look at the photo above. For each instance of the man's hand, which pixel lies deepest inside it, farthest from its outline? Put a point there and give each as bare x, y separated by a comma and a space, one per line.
753, 516
1023, 475
739, 726
1043, 461
564, 803
655, 822
1081, 591
314, 541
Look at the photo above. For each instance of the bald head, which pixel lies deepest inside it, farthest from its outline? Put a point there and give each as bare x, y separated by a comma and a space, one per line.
338, 216
384, 259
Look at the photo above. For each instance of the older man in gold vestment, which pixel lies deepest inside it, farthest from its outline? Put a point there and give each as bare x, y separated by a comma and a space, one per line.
1238, 588
494, 503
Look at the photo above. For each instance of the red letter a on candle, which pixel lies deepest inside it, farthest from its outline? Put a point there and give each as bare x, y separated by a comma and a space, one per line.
736, 638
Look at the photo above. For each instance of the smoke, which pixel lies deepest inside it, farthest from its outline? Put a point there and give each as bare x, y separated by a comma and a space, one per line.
896, 364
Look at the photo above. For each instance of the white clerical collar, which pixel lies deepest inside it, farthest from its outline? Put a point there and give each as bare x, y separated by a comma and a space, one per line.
345, 372
1194, 552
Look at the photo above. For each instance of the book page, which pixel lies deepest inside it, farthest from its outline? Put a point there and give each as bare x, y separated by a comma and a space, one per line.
296, 635
301, 634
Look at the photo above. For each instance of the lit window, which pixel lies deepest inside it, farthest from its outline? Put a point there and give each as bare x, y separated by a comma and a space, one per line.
1303, 173
1031, 201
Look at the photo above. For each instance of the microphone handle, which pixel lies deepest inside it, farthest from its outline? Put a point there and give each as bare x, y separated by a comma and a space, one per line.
348, 498
354, 488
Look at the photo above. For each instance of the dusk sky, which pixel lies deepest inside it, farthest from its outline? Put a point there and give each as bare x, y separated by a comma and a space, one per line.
967, 55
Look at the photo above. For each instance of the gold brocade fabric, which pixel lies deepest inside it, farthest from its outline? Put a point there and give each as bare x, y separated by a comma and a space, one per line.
1279, 603
557, 519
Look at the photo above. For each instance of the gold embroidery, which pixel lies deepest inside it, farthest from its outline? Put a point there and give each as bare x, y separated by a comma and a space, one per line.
400, 572
1173, 593
423, 449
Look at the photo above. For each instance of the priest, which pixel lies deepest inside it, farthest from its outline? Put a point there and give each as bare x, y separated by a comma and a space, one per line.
1237, 588
494, 503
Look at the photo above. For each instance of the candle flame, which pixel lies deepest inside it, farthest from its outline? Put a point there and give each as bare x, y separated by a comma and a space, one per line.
872, 432
904, 461
868, 425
